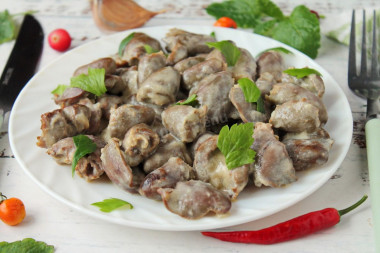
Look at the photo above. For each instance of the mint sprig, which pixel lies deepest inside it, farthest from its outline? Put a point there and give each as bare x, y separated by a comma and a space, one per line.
235, 144
229, 51
252, 93
108, 205
27, 245
84, 146
93, 82
302, 72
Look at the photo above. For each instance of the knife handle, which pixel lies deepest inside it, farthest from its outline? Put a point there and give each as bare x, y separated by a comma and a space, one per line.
372, 133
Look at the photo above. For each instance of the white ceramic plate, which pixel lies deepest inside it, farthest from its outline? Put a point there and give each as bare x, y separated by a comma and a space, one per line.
36, 99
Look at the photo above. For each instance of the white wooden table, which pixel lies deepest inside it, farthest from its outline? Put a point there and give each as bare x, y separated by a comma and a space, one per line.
68, 230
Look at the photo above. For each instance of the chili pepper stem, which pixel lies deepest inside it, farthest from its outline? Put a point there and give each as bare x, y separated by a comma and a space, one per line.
350, 208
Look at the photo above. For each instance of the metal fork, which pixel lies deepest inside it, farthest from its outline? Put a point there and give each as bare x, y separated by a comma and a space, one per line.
367, 84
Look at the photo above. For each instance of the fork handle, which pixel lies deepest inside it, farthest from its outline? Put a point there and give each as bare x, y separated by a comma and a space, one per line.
372, 132
373, 108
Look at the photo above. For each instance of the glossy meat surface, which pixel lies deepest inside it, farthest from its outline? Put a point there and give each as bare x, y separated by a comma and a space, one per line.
295, 116
139, 142
161, 87
185, 122
61, 123
273, 166
210, 166
194, 199
167, 176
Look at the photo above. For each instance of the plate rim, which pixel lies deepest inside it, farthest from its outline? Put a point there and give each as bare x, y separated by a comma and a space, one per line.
197, 226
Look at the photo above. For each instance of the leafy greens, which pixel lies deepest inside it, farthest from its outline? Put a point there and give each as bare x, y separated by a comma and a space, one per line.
235, 144
228, 49
108, 205
299, 30
302, 72
27, 245
84, 146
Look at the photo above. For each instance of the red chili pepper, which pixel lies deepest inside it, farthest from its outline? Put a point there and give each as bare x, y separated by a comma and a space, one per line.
295, 228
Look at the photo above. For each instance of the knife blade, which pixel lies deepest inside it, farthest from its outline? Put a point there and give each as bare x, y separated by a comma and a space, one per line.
21, 64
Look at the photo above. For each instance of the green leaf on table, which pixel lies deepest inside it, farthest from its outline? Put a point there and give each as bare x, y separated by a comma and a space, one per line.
192, 101
93, 82
252, 93
300, 30
124, 43
84, 146
302, 72
108, 205
27, 245
60, 89
228, 49
212, 34
235, 144
7, 27
149, 49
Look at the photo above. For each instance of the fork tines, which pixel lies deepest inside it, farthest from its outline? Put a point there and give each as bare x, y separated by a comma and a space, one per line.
352, 50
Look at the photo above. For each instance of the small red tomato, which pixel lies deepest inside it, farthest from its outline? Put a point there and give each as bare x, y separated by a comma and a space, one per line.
59, 40
12, 211
226, 22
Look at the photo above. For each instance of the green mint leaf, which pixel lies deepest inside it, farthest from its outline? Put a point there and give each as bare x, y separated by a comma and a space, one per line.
244, 12
7, 27
212, 34
192, 101
277, 49
266, 28
27, 245
229, 50
108, 205
300, 30
93, 82
271, 9
301, 73
260, 107
125, 42
252, 93
149, 49
60, 89
235, 144
84, 146
250, 90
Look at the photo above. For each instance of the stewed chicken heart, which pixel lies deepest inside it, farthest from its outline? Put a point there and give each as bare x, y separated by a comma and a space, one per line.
166, 176
194, 199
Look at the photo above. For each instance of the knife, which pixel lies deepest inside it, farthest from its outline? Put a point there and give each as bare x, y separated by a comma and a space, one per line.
21, 64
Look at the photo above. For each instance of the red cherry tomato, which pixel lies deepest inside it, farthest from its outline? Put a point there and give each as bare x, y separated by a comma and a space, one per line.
59, 40
226, 22
12, 211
